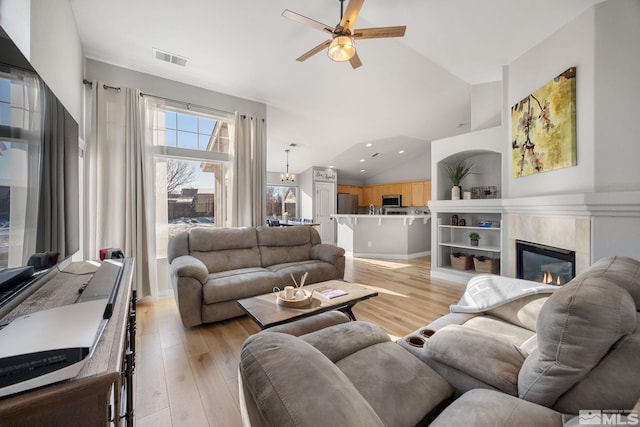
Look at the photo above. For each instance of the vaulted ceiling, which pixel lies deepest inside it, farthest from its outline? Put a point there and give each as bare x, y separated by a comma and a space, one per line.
409, 91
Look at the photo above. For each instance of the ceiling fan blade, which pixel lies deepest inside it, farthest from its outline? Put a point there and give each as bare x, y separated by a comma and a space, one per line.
350, 15
378, 33
313, 51
355, 61
307, 21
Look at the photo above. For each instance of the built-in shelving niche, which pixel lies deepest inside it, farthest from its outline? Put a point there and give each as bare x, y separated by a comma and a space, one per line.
487, 167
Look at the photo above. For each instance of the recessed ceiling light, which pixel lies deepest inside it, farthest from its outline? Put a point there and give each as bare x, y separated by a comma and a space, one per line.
369, 144
361, 160
362, 170
401, 152
331, 167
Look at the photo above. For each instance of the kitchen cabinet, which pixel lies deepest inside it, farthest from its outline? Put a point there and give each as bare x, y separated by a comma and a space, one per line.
420, 193
407, 193
416, 193
367, 196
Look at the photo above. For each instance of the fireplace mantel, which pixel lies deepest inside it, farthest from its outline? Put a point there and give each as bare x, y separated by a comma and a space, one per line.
619, 203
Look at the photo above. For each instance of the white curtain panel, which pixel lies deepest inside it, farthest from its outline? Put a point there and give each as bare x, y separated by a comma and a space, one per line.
121, 183
249, 177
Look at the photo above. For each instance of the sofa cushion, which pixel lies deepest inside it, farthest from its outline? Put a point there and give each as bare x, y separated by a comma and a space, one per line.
223, 249
188, 266
238, 284
500, 329
614, 380
339, 341
178, 246
326, 253
411, 390
311, 324
318, 272
487, 408
290, 383
620, 270
479, 354
577, 326
280, 245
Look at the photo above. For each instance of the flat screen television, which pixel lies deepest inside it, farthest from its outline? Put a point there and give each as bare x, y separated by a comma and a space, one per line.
39, 193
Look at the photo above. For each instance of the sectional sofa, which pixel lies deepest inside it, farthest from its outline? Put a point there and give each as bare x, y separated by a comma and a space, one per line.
211, 268
535, 361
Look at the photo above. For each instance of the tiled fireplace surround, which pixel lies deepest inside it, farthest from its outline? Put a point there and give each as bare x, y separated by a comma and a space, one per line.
560, 231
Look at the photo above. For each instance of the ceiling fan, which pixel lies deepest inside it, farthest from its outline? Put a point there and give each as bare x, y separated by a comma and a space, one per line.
341, 46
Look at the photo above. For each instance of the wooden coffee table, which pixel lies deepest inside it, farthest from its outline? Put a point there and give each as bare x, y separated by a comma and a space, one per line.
266, 312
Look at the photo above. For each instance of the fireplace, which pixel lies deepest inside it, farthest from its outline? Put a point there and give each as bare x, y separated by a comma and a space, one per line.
544, 264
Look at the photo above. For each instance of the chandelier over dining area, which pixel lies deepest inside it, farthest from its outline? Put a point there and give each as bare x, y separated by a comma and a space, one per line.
287, 176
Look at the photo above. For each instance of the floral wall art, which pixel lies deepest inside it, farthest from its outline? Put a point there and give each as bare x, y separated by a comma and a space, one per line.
543, 127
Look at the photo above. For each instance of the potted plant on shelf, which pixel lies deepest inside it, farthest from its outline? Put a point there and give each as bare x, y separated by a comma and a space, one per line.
457, 172
474, 237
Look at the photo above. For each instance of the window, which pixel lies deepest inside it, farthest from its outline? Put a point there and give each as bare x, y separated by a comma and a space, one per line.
19, 166
281, 200
192, 157
192, 193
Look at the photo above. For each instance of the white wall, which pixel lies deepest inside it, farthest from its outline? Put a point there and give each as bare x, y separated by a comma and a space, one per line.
617, 91
603, 44
571, 46
15, 18
45, 32
306, 193
486, 105
158, 86
416, 169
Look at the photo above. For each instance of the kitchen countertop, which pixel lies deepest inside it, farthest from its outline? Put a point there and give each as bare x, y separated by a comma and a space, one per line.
354, 218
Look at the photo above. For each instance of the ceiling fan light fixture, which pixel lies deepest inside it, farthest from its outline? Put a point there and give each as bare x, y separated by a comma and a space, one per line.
342, 48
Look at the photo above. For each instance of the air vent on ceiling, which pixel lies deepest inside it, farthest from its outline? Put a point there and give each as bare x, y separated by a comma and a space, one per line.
169, 57
375, 154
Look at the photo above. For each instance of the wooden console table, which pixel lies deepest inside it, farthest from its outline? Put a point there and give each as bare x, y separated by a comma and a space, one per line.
102, 393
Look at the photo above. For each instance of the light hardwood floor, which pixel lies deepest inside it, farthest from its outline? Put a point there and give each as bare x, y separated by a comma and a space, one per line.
188, 377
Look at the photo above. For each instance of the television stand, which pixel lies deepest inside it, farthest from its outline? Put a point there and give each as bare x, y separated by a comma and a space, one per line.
102, 392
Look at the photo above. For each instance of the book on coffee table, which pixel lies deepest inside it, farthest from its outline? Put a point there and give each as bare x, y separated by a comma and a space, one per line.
329, 292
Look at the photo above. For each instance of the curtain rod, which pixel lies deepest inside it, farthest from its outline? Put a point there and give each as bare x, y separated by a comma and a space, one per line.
188, 104
104, 86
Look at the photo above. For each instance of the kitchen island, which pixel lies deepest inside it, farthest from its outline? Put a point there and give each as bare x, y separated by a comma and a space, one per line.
384, 236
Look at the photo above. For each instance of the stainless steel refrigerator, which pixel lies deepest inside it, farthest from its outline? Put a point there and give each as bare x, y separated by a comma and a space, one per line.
347, 203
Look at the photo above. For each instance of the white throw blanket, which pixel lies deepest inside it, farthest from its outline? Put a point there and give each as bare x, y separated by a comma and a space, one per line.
487, 291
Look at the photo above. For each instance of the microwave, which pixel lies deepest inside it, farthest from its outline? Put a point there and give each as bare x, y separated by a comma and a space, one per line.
392, 201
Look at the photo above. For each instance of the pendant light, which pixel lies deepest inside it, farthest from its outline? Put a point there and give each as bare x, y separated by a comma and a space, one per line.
287, 176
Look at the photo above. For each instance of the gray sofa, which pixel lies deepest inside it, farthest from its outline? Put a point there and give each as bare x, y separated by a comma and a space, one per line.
211, 268
536, 361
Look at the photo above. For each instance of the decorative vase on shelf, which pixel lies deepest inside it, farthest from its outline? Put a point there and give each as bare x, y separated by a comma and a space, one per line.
457, 172
474, 242
455, 192
473, 238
